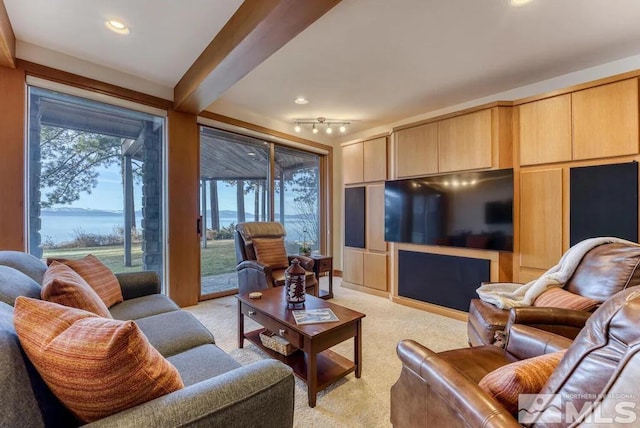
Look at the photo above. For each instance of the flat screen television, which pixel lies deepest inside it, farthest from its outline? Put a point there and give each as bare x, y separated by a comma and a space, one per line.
471, 209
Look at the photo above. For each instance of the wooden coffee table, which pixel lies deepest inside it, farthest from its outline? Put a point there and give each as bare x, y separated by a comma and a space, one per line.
313, 362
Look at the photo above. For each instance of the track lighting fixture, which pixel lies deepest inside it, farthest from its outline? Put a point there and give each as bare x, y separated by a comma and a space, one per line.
320, 122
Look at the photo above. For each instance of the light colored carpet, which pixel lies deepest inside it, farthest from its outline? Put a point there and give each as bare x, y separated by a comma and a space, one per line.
350, 402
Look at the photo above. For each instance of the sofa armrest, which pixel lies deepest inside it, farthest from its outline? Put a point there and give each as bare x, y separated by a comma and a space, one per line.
565, 322
306, 262
525, 342
259, 394
445, 387
138, 284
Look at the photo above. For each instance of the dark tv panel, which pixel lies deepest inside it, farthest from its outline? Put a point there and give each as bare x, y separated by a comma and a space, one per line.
604, 202
470, 209
354, 217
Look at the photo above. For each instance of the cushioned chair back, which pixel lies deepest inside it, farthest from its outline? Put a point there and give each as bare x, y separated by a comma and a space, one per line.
606, 270
255, 229
603, 361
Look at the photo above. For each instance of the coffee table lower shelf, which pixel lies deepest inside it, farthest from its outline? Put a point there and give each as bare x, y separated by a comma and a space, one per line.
331, 365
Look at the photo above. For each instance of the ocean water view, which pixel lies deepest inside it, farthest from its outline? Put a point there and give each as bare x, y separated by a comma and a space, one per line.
57, 228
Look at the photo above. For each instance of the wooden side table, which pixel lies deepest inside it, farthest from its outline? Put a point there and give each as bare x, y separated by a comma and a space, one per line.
323, 264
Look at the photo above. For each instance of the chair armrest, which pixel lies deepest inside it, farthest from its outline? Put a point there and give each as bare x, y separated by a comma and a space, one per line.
253, 264
241, 397
565, 322
138, 284
306, 262
444, 385
526, 342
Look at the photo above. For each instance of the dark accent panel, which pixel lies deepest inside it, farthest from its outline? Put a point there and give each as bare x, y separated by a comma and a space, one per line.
604, 202
354, 217
449, 281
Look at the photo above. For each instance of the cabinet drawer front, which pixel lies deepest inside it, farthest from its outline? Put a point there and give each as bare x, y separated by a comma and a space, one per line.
295, 338
324, 265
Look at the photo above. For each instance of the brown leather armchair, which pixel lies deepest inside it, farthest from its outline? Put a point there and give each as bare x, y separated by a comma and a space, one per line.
254, 275
604, 271
602, 366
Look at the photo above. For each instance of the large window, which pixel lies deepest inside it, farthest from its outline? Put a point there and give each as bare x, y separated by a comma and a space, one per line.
240, 177
95, 181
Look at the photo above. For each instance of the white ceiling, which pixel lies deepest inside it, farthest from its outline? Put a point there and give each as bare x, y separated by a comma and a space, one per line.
370, 61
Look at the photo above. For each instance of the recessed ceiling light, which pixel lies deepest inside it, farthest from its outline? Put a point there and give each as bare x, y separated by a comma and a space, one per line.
117, 26
520, 2
300, 100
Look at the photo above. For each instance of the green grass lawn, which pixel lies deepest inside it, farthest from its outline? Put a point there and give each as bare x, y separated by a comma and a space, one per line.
219, 257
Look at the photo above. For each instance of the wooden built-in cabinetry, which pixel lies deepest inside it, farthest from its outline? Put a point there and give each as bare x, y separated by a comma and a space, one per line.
366, 268
595, 124
540, 218
476, 140
592, 123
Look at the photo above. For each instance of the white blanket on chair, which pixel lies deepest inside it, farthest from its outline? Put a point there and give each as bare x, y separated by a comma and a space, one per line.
507, 295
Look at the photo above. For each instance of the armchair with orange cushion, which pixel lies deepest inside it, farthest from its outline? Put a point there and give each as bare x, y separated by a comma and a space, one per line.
578, 380
603, 271
262, 258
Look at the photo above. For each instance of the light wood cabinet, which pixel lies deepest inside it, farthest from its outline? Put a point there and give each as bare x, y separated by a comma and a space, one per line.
464, 142
545, 131
605, 120
375, 271
353, 266
375, 218
375, 160
353, 163
417, 150
540, 218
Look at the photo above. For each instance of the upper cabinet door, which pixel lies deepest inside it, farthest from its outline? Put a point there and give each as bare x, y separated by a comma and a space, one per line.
464, 142
375, 159
417, 150
353, 163
605, 120
545, 131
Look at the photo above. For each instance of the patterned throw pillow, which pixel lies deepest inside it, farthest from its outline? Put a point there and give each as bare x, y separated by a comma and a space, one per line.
98, 276
271, 251
560, 298
95, 366
64, 286
528, 376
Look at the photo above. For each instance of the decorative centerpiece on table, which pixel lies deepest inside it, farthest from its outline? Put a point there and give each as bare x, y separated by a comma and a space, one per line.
294, 281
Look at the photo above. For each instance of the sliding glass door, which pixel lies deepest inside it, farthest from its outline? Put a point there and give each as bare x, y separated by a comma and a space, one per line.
240, 178
234, 180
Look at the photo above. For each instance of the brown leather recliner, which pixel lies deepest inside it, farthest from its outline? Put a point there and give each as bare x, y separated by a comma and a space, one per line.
254, 275
603, 272
601, 370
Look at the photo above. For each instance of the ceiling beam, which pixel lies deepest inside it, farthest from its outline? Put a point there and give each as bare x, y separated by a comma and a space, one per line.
7, 39
257, 30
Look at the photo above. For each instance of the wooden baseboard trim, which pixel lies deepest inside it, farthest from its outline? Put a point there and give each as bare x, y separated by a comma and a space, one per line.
429, 307
372, 291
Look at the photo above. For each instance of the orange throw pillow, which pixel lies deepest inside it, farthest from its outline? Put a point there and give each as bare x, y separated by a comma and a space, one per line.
271, 251
63, 285
528, 376
98, 276
560, 298
95, 366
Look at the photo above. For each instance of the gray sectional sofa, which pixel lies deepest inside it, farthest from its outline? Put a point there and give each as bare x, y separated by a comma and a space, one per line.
218, 391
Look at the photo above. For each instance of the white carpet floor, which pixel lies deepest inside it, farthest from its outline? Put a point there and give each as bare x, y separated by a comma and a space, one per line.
350, 402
